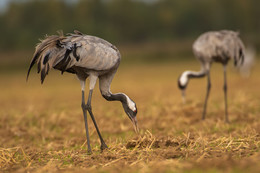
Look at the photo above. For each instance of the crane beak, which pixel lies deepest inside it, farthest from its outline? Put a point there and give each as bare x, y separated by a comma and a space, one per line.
183, 96
134, 121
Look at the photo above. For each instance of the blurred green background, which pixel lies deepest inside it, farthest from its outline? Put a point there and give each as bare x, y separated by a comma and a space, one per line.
143, 30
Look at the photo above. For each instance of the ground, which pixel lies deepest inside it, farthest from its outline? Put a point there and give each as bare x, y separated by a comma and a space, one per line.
42, 126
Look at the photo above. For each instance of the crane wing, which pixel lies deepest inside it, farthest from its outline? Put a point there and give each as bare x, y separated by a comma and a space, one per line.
220, 46
96, 53
75, 50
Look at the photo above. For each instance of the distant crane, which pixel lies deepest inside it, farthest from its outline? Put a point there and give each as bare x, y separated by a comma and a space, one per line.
87, 57
214, 46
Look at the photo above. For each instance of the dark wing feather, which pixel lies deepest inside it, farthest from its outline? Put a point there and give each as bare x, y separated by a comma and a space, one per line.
65, 52
42, 54
75, 52
54, 52
46, 58
33, 61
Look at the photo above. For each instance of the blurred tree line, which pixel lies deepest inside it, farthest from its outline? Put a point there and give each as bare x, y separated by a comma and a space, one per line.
126, 21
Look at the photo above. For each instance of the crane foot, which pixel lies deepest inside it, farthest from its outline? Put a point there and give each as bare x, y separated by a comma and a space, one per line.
103, 146
89, 152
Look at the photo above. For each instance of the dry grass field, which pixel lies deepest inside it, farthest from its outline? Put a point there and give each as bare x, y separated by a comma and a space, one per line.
42, 126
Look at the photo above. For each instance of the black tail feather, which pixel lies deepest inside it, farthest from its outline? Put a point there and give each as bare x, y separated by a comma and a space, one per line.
46, 58
39, 68
44, 72
54, 52
75, 52
32, 63
64, 62
48, 68
43, 75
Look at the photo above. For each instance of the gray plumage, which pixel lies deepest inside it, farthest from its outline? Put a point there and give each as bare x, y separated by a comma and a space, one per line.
214, 46
219, 46
74, 52
87, 57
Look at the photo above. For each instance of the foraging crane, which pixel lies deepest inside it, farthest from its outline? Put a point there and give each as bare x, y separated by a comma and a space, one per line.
87, 57
214, 46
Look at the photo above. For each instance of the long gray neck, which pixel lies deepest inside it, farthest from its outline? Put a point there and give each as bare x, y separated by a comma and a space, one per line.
184, 78
116, 97
193, 74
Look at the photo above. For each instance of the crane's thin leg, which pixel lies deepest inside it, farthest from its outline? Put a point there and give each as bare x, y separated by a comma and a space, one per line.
207, 96
103, 144
85, 115
225, 94
92, 83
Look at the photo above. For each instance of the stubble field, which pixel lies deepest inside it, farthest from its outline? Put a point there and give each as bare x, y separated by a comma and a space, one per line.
42, 126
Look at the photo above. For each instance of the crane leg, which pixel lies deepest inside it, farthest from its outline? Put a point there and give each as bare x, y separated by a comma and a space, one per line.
88, 107
225, 95
85, 119
207, 96
92, 83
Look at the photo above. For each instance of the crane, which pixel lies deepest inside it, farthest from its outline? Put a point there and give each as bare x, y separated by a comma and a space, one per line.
87, 57
214, 46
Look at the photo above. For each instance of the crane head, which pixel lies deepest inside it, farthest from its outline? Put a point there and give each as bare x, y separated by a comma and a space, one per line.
183, 80
182, 84
131, 111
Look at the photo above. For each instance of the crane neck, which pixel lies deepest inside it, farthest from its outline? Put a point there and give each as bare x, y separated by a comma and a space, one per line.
185, 76
194, 74
116, 97
123, 98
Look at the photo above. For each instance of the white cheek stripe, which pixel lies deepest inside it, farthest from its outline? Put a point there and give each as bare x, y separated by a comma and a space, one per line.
184, 78
130, 103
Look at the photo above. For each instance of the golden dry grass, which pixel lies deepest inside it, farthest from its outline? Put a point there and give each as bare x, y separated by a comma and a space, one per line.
42, 128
